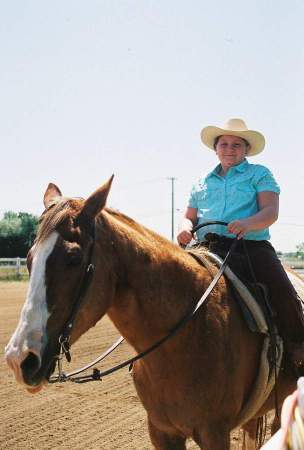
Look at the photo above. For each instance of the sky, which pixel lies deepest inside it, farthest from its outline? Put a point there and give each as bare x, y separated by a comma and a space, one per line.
101, 87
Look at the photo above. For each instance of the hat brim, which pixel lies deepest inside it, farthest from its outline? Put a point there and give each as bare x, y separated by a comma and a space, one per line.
255, 139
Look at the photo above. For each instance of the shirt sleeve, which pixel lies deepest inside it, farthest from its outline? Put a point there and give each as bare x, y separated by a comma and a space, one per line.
192, 200
267, 182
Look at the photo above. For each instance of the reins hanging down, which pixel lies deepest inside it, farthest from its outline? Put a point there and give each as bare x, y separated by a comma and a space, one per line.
97, 374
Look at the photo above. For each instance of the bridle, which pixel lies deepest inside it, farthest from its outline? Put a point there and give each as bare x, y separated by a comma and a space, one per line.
64, 338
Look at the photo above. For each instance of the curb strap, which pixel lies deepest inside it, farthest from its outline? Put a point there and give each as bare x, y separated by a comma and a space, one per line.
62, 376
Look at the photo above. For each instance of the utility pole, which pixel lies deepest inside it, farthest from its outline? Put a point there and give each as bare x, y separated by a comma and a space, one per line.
172, 206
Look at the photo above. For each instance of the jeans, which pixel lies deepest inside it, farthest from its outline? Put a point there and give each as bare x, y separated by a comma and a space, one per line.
268, 270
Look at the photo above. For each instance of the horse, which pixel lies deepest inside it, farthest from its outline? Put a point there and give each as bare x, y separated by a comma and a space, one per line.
193, 385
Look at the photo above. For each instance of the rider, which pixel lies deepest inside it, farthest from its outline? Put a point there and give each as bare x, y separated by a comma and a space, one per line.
247, 197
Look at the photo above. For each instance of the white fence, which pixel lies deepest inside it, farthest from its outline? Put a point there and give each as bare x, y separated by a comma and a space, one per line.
12, 263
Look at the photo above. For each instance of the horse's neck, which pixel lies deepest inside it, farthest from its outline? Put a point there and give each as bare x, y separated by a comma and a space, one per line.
156, 285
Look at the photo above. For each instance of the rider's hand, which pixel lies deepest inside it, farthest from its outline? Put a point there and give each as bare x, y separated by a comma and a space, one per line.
184, 237
238, 227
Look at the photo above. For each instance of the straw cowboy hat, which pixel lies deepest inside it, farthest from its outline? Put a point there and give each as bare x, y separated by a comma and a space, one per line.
235, 127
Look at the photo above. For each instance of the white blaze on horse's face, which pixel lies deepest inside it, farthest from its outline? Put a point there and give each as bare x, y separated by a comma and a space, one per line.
30, 334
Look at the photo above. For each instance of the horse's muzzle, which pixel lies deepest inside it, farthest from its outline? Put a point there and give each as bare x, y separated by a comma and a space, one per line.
30, 367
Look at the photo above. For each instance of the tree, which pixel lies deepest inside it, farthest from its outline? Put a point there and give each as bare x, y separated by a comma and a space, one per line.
300, 250
17, 233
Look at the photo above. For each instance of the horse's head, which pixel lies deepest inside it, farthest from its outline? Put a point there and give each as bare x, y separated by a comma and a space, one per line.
57, 263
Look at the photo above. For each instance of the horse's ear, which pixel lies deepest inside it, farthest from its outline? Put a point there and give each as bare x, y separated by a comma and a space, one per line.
52, 191
97, 201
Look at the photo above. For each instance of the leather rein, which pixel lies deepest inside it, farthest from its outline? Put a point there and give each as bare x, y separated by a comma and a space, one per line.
64, 338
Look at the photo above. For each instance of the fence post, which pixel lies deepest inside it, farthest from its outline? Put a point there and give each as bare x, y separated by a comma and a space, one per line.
18, 264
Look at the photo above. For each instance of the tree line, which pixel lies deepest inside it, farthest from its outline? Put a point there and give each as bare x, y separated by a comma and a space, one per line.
18, 231
17, 234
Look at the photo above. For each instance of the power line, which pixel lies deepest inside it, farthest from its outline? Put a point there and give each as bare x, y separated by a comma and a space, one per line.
172, 206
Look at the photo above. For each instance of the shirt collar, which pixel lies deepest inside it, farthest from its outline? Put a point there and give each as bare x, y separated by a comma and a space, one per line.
242, 167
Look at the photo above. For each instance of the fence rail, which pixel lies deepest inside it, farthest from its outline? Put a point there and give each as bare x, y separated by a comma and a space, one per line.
14, 265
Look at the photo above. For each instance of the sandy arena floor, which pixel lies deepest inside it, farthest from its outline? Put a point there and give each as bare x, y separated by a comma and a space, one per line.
103, 415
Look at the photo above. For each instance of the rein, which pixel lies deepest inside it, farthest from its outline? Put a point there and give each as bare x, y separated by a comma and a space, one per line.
97, 374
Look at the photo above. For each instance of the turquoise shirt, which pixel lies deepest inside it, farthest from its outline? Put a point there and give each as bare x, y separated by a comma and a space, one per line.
231, 197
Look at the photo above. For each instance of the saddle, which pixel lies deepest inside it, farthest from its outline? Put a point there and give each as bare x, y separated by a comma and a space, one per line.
242, 270
245, 293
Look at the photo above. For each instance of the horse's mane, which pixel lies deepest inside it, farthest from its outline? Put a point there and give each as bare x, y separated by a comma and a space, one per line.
63, 208
54, 216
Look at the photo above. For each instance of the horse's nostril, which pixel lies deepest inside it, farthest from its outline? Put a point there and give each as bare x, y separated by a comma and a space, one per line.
30, 366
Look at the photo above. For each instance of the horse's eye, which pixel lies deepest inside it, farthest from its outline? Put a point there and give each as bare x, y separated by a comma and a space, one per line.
73, 257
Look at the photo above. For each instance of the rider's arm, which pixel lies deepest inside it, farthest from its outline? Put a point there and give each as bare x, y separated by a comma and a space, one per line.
268, 203
188, 222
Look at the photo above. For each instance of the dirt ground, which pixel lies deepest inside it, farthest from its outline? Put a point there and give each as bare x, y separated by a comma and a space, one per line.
103, 415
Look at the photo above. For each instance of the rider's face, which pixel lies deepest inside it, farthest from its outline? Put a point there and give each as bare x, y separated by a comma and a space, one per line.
231, 150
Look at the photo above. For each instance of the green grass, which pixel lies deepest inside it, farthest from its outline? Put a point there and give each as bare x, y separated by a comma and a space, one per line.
9, 274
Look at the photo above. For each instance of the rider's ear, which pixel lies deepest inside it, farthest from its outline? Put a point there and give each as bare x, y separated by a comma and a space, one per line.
97, 201
52, 191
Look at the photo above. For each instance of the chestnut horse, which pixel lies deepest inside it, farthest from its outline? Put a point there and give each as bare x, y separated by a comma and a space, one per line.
193, 385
